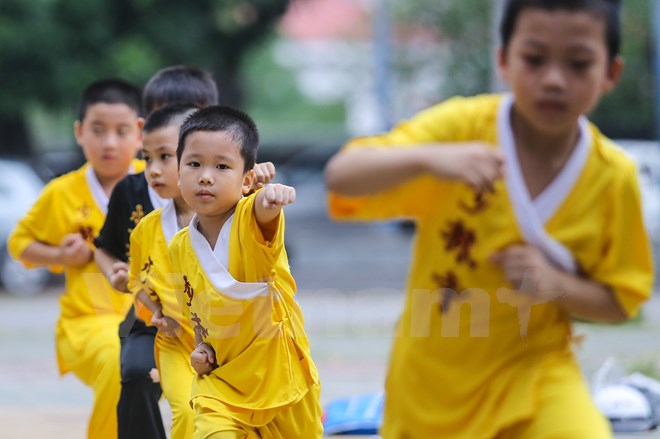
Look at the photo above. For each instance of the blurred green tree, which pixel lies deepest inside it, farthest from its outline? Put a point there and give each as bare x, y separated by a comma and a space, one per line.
50, 49
465, 30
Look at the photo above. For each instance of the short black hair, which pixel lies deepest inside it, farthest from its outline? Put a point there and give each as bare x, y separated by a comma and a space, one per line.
110, 91
180, 85
222, 118
168, 115
609, 10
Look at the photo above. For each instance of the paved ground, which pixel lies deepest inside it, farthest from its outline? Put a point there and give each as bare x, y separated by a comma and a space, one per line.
350, 280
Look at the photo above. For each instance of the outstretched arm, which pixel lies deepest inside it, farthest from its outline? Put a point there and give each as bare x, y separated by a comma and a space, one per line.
369, 170
269, 204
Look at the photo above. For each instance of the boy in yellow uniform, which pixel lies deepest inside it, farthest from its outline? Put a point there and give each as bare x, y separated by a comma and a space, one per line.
256, 377
558, 235
59, 230
150, 275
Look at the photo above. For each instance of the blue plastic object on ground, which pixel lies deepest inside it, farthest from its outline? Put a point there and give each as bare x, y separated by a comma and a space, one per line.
356, 415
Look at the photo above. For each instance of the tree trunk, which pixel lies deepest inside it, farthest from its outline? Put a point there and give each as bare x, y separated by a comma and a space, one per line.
14, 139
230, 88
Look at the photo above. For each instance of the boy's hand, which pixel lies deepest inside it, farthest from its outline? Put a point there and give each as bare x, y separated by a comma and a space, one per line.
75, 251
478, 165
119, 276
263, 174
165, 324
278, 195
528, 269
203, 359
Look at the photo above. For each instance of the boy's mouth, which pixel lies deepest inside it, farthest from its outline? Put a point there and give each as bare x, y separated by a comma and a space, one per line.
204, 194
550, 105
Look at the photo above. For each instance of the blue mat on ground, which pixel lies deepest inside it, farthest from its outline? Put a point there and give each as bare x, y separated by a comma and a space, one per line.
356, 415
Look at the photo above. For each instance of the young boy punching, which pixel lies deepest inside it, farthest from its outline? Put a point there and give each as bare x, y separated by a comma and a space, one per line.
526, 213
59, 231
256, 377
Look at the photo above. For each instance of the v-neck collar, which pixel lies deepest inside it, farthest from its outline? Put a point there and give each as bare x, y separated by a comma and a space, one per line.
532, 215
214, 263
548, 201
168, 221
96, 189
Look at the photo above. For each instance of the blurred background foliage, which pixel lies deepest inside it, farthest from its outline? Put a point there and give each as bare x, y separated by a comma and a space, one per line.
467, 26
50, 49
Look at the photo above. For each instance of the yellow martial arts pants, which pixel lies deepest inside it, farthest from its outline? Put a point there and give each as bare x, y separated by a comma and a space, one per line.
176, 377
300, 421
96, 363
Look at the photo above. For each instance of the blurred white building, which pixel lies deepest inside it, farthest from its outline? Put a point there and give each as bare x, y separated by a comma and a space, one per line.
331, 48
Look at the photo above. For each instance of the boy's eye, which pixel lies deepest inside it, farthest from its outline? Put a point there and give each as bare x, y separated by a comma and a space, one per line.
222, 166
581, 64
165, 156
98, 130
147, 159
122, 132
193, 164
533, 60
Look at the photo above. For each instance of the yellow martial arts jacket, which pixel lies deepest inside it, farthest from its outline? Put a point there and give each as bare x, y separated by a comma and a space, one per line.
74, 203
151, 268
240, 296
467, 351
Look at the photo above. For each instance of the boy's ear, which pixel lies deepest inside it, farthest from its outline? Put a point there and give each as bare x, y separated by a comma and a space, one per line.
501, 64
614, 72
77, 131
248, 180
140, 125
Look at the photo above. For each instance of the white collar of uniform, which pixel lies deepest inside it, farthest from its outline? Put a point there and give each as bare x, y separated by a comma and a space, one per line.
168, 220
156, 201
532, 215
214, 263
100, 198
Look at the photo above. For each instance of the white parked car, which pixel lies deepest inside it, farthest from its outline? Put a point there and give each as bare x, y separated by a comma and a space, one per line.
19, 188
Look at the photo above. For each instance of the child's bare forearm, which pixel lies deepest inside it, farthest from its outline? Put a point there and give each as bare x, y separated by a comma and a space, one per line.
366, 171
586, 299
105, 261
146, 300
265, 217
268, 206
39, 253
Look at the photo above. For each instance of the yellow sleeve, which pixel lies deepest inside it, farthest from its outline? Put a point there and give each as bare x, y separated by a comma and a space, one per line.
451, 121
248, 226
176, 253
135, 261
626, 265
42, 224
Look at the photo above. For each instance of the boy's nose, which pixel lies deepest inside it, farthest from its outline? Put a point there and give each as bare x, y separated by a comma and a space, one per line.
554, 78
111, 140
154, 171
205, 178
